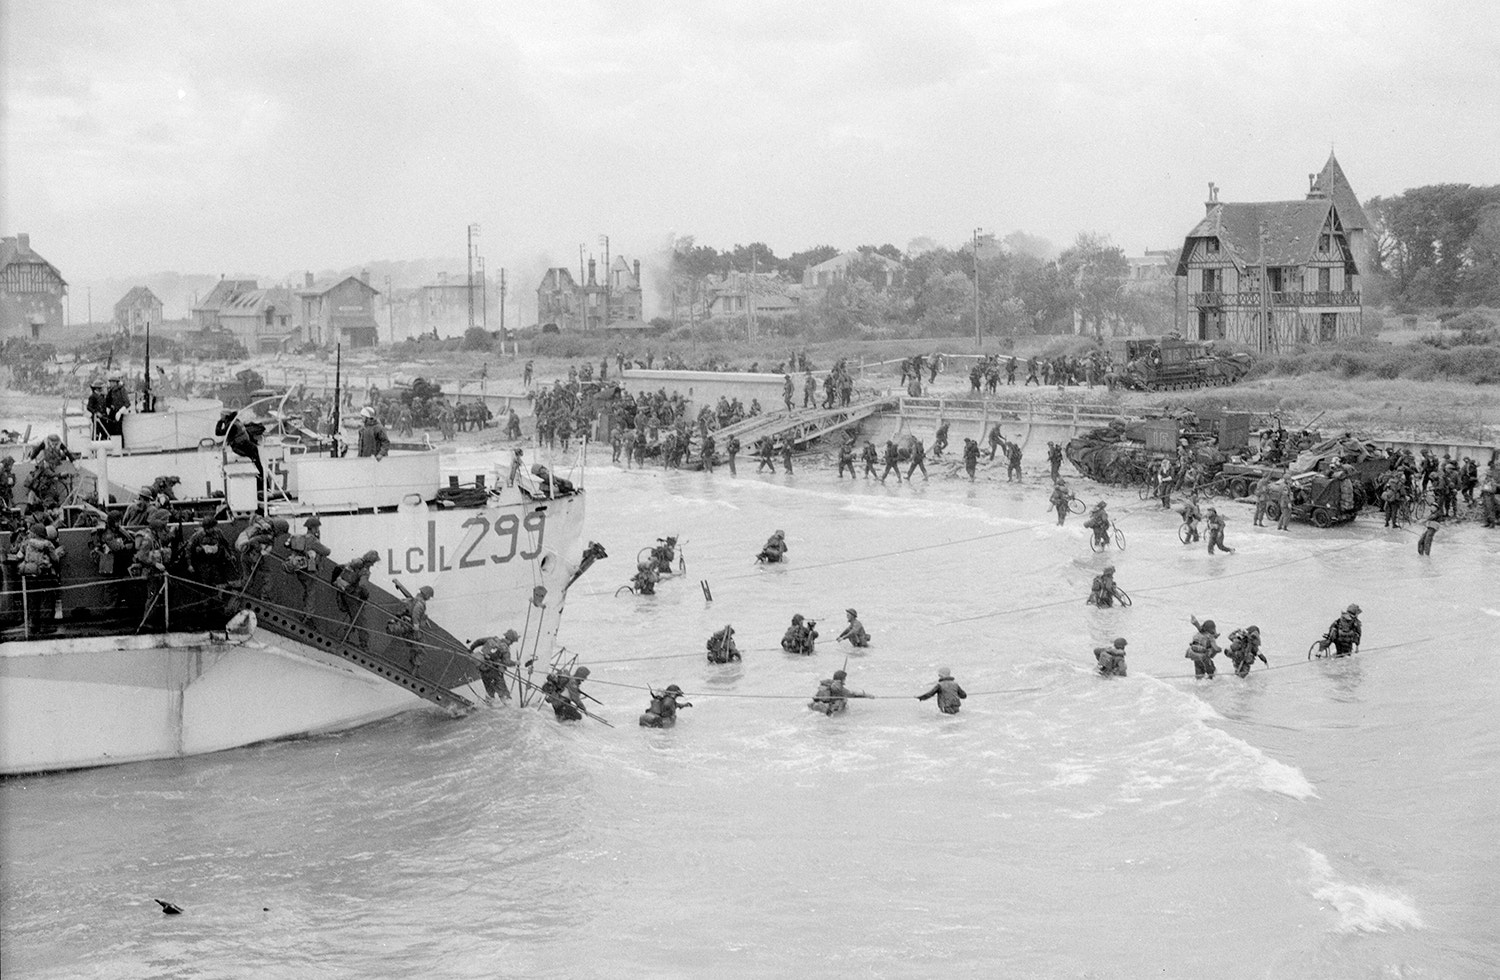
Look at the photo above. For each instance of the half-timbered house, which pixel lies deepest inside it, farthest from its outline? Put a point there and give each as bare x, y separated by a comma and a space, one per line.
31, 291
1271, 275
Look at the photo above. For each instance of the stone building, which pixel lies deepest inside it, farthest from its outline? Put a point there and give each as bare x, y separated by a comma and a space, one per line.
557, 300
263, 320
31, 291
564, 304
206, 310
137, 311
882, 270
338, 311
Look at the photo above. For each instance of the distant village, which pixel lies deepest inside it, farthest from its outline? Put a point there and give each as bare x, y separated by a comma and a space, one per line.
1263, 275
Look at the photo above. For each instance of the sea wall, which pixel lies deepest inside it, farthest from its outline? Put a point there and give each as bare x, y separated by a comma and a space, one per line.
707, 387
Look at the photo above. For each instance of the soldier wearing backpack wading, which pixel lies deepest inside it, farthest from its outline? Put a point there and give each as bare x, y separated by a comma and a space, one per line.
495, 659
1344, 634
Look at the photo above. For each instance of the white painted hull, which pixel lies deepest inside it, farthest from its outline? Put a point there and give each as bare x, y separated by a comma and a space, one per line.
94, 701
76, 703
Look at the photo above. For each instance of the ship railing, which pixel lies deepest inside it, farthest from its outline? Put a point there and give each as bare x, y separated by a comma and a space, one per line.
27, 587
159, 602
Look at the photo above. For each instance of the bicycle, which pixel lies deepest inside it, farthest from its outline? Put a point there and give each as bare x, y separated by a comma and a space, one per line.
1413, 508
1114, 535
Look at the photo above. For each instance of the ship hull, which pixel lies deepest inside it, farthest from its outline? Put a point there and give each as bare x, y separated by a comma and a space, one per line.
95, 700
83, 702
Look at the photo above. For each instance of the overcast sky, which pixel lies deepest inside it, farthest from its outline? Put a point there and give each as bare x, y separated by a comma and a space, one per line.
266, 137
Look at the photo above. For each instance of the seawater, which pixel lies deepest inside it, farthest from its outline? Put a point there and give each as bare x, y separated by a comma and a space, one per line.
1318, 819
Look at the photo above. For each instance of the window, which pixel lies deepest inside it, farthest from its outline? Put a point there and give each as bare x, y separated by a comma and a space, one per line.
1325, 243
1211, 246
1325, 277
1211, 280
1328, 326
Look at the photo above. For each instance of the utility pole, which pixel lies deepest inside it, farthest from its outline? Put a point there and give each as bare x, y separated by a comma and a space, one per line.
1264, 340
484, 295
608, 276
473, 233
750, 296
1176, 321
89, 292
390, 310
978, 339
502, 306
582, 294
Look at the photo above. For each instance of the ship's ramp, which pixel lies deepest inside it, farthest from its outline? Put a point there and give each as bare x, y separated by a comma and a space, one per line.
305, 607
800, 426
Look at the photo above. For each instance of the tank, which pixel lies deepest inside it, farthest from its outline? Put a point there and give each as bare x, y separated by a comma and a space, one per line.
1125, 453
1171, 363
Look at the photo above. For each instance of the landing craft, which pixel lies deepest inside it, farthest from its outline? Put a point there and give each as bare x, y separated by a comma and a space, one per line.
109, 669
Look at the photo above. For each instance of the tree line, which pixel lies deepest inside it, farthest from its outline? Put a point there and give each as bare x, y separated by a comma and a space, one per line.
1438, 245
1024, 287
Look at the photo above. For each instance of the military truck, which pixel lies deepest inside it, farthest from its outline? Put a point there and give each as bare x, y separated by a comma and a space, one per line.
1321, 501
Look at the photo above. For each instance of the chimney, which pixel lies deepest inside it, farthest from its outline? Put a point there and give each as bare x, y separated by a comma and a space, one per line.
1213, 197
636, 266
23, 241
307, 280
364, 276
591, 273
1312, 182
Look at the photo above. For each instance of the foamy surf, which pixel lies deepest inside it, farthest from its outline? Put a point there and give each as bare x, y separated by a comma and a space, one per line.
1360, 909
1269, 774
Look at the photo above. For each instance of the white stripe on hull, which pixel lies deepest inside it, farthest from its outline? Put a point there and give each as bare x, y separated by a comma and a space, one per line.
69, 704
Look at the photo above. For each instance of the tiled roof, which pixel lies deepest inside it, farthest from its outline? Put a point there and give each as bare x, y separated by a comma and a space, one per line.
322, 286
1335, 185
844, 258
137, 295
225, 290
1291, 230
256, 301
11, 251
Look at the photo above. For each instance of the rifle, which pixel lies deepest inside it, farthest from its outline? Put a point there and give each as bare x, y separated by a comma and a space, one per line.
338, 394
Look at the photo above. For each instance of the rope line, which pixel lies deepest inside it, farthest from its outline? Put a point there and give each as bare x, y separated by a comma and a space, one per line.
1141, 590
1006, 690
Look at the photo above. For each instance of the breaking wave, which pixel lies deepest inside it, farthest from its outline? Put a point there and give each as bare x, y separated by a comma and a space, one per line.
1360, 909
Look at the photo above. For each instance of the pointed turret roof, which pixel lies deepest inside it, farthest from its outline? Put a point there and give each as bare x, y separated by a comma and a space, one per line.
1332, 183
